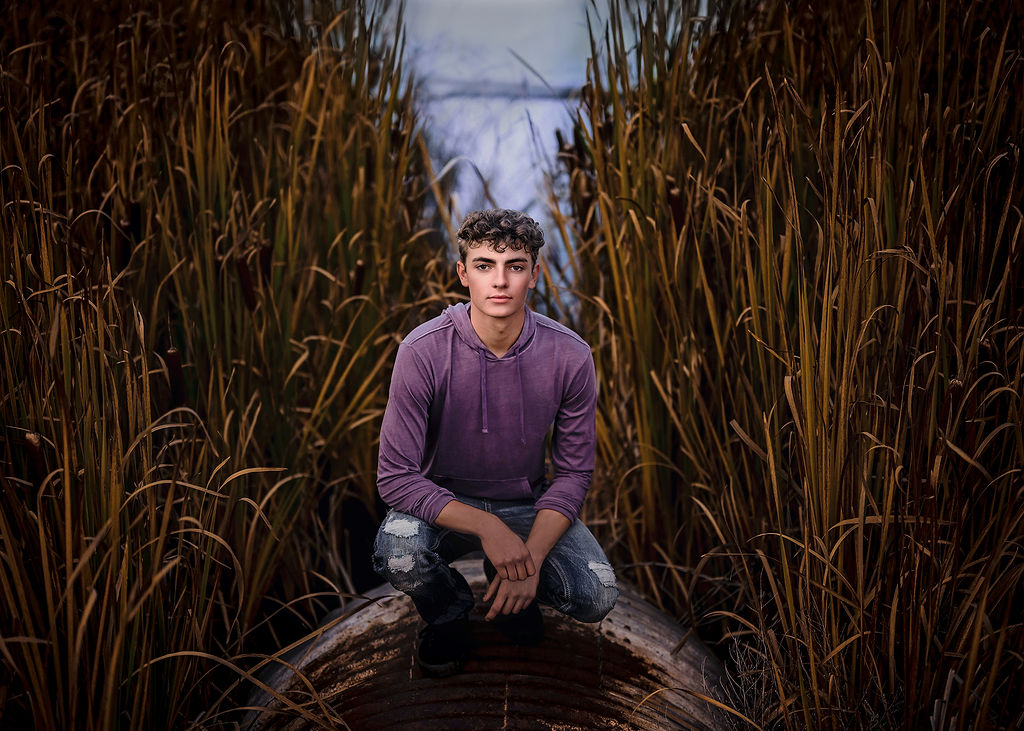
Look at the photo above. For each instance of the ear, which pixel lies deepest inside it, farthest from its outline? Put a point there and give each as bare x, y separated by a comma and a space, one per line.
535, 275
460, 268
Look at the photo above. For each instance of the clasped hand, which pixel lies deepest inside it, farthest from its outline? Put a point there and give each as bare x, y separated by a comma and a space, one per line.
515, 585
510, 597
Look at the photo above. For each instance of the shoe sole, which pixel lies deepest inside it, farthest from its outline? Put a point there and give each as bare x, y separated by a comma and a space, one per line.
440, 670
451, 666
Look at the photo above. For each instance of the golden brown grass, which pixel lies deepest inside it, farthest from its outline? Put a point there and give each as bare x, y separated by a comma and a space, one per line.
797, 237
798, 254
211, 225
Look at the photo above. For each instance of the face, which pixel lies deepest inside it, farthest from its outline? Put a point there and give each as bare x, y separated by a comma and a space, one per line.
498, 282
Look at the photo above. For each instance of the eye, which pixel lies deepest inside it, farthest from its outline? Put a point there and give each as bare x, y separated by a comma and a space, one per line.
518, 267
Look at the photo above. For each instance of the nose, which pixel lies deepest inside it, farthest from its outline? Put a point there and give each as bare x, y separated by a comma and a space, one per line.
500, 277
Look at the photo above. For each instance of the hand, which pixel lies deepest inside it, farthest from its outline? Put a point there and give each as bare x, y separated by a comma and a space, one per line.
510, 597
507, 552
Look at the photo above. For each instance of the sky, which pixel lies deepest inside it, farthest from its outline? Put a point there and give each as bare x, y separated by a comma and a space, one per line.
484, 107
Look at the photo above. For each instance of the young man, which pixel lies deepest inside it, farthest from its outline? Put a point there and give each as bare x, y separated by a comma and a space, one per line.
474, 394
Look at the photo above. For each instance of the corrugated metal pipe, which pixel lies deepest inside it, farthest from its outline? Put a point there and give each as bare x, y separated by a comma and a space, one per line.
636, 669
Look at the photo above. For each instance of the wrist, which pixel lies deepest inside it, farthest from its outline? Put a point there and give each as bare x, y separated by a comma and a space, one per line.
536, 552
487, 525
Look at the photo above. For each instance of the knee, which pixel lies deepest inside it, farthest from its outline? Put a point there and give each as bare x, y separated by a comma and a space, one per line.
398, 550
595, 595
597, 607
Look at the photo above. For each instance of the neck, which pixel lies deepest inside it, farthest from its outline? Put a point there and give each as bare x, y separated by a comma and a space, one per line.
497, 334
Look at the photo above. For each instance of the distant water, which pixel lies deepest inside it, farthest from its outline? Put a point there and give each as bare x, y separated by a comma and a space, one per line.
484, 104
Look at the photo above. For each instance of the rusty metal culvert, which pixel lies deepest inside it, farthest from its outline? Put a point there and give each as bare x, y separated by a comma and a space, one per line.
637, 669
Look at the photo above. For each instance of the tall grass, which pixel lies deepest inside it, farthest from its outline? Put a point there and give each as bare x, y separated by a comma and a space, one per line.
798, 254
210, 219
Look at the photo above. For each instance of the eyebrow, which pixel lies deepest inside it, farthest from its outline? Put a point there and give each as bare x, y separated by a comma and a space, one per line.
488, 260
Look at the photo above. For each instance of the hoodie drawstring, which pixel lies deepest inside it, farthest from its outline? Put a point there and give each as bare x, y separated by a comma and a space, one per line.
483, 396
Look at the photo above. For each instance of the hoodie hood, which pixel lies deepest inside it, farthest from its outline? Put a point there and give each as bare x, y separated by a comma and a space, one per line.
460, 317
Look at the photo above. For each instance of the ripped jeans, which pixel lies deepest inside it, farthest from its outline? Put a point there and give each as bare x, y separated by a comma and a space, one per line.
414, 556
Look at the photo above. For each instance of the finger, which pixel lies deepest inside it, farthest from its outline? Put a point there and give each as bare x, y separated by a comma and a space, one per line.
496, 608
492, 589
527, 568
531, 568
512, 607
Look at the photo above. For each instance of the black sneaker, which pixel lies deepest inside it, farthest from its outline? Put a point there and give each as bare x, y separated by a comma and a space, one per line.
525, 628
443, 648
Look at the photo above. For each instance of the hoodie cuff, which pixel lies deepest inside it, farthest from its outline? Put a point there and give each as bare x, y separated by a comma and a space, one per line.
565, 507
433, 505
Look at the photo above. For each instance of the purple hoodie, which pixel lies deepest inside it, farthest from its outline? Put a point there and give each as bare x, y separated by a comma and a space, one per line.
461, 421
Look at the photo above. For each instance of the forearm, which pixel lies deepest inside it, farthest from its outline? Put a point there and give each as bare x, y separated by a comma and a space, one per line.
505, 550
463, 518
548, 527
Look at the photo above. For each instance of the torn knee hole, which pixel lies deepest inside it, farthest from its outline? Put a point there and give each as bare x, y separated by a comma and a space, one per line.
401, 527
604, 572
403, 564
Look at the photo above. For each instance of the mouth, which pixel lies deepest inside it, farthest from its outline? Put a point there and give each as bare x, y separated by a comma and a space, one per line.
499, 298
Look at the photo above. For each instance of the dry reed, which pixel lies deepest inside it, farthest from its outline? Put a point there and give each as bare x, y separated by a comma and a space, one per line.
798, 255
211, 236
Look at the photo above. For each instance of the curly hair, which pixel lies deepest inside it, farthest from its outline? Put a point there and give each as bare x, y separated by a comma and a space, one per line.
500, 229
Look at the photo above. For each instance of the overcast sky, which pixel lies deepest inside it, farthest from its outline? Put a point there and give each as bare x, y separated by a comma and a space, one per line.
481, 100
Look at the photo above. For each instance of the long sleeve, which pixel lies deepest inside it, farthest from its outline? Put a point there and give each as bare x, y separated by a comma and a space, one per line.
573, 444
403, 441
